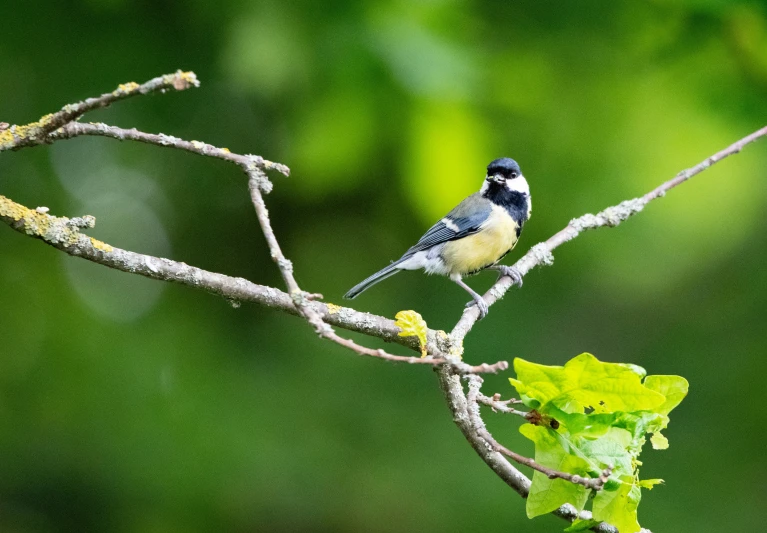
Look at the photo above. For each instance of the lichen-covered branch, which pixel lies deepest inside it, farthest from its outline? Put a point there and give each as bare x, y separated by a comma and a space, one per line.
64, 234
15, 137
59, 126
468, 421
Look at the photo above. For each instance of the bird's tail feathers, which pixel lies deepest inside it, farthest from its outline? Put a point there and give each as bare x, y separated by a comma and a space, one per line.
372, 280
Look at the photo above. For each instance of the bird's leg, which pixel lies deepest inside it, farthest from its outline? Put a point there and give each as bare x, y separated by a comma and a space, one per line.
478, 300
512, 272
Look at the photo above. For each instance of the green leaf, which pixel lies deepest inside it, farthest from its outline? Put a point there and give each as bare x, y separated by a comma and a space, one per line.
638, 424
522, 391
674, 388
585, 382
649, 483
658, 441
609, 450
619, 507
581, 525
547, 494
591, 425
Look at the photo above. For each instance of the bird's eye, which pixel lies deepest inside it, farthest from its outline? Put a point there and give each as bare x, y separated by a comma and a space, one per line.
513, 175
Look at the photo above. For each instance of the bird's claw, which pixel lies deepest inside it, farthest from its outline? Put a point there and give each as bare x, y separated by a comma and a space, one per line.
481, 305
512, 272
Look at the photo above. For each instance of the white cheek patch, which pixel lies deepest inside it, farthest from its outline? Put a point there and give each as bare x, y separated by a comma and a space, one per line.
485, 186
518, 184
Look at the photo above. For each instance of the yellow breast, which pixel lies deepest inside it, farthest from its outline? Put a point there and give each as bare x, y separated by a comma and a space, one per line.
483, 249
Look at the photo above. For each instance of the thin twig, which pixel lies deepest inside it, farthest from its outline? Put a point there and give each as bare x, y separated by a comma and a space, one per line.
590, 483
78, 129
501, 405
36, 133
458, 366
285, 266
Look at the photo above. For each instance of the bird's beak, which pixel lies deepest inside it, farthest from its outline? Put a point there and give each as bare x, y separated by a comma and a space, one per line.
498, 178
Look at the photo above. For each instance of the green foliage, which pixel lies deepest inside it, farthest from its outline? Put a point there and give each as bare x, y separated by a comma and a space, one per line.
604, 411
548, 494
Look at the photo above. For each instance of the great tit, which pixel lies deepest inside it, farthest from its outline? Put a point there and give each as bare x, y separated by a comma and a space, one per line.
474, 236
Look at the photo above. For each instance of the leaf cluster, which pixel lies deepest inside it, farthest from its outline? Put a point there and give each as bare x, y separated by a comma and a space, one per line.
604, 412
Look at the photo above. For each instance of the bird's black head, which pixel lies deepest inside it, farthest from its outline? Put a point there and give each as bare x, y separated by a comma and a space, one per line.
505, 185
504, 167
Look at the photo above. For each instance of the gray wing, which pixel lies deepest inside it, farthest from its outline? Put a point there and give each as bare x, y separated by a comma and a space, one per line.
464, 220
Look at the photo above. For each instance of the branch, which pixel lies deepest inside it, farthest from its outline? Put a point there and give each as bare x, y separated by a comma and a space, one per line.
77, 129
61, 233
541, 254
64, 234
589, 483
59, 126
467, 418
16, 137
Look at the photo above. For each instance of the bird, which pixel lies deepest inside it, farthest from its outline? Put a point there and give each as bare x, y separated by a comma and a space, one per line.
474, 236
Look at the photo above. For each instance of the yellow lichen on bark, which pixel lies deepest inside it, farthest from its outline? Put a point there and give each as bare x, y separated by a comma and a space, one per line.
100, 245
126, 88
55, 230
333, 308
47, 227
10, 137
182, 80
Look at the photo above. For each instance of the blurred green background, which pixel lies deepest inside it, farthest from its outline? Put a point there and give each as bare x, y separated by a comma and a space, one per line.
132, 406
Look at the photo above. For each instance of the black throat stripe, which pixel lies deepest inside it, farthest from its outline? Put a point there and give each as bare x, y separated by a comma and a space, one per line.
515, 202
